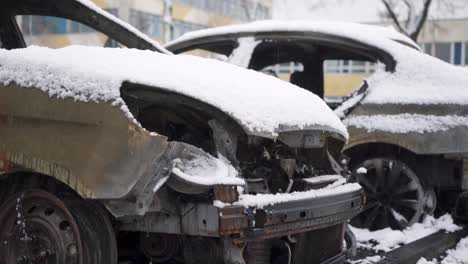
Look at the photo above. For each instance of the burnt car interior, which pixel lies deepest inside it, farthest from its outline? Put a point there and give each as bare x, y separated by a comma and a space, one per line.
310, 51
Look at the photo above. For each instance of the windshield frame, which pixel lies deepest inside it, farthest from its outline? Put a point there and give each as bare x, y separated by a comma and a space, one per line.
102, 21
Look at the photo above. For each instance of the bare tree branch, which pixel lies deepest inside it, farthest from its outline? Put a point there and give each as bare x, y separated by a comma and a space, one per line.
422, 20
393, 15
412, 24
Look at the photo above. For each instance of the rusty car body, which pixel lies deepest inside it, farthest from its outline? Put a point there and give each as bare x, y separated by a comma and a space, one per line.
90, 141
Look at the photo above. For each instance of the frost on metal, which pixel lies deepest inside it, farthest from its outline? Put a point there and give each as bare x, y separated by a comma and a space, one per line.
261, 104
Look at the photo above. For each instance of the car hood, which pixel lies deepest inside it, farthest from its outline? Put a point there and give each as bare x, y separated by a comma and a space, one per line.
261, 104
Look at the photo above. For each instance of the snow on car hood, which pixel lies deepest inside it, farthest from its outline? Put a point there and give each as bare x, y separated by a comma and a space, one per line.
262, 104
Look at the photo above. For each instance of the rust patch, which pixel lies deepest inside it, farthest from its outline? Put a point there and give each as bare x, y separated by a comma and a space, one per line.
19, 161
226, 193
232, 220
5, 165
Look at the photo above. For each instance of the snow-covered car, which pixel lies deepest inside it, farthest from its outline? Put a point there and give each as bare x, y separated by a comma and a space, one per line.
115, 154
408, 121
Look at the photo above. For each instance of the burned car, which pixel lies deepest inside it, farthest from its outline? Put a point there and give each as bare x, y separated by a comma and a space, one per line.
124, 155
407, 120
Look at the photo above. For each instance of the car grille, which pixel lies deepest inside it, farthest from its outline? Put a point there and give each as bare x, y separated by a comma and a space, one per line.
317, 246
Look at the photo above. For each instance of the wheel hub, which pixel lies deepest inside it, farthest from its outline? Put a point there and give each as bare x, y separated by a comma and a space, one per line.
395, 195
38, 228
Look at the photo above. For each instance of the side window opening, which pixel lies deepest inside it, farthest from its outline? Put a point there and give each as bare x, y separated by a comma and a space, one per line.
342, 77
57, 32
284, 71
206, 54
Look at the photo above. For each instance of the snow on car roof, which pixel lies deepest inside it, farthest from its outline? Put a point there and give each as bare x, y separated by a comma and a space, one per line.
356, 31
418, 78
262, 104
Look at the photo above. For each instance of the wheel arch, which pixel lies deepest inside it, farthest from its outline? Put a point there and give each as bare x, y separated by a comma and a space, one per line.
418, 162
361, 151
18, 181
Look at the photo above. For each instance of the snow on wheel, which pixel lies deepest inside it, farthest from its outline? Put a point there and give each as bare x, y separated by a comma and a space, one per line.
38, 228
395, 196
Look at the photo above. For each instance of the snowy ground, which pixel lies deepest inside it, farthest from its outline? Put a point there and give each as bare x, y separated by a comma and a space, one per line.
385, 240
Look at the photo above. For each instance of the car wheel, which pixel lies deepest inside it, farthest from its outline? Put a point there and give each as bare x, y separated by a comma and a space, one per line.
37, 227
395, 196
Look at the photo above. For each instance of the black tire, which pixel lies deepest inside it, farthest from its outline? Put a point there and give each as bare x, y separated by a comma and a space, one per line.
96, 230
395, 195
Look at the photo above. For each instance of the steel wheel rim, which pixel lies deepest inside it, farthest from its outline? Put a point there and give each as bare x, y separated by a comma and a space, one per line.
38, 228
395, 197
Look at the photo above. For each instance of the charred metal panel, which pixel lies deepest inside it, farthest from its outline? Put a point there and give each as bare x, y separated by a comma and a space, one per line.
394, 109
194, 219
92, 147
450, 141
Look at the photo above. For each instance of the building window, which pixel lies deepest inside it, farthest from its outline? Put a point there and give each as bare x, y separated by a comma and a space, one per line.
182, 27
349, 67
451, 52
442, 51
427, 48
38, 25
457, 53
230, 8
466, 53
147, 23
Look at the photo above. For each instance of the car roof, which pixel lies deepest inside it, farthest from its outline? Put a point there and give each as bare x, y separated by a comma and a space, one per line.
368, 34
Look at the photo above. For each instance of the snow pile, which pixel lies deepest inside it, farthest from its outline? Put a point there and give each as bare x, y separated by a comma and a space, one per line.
262, 200
458, 255
405, 123
388, 239
206, 170
262, 104
132, 29
419, 79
